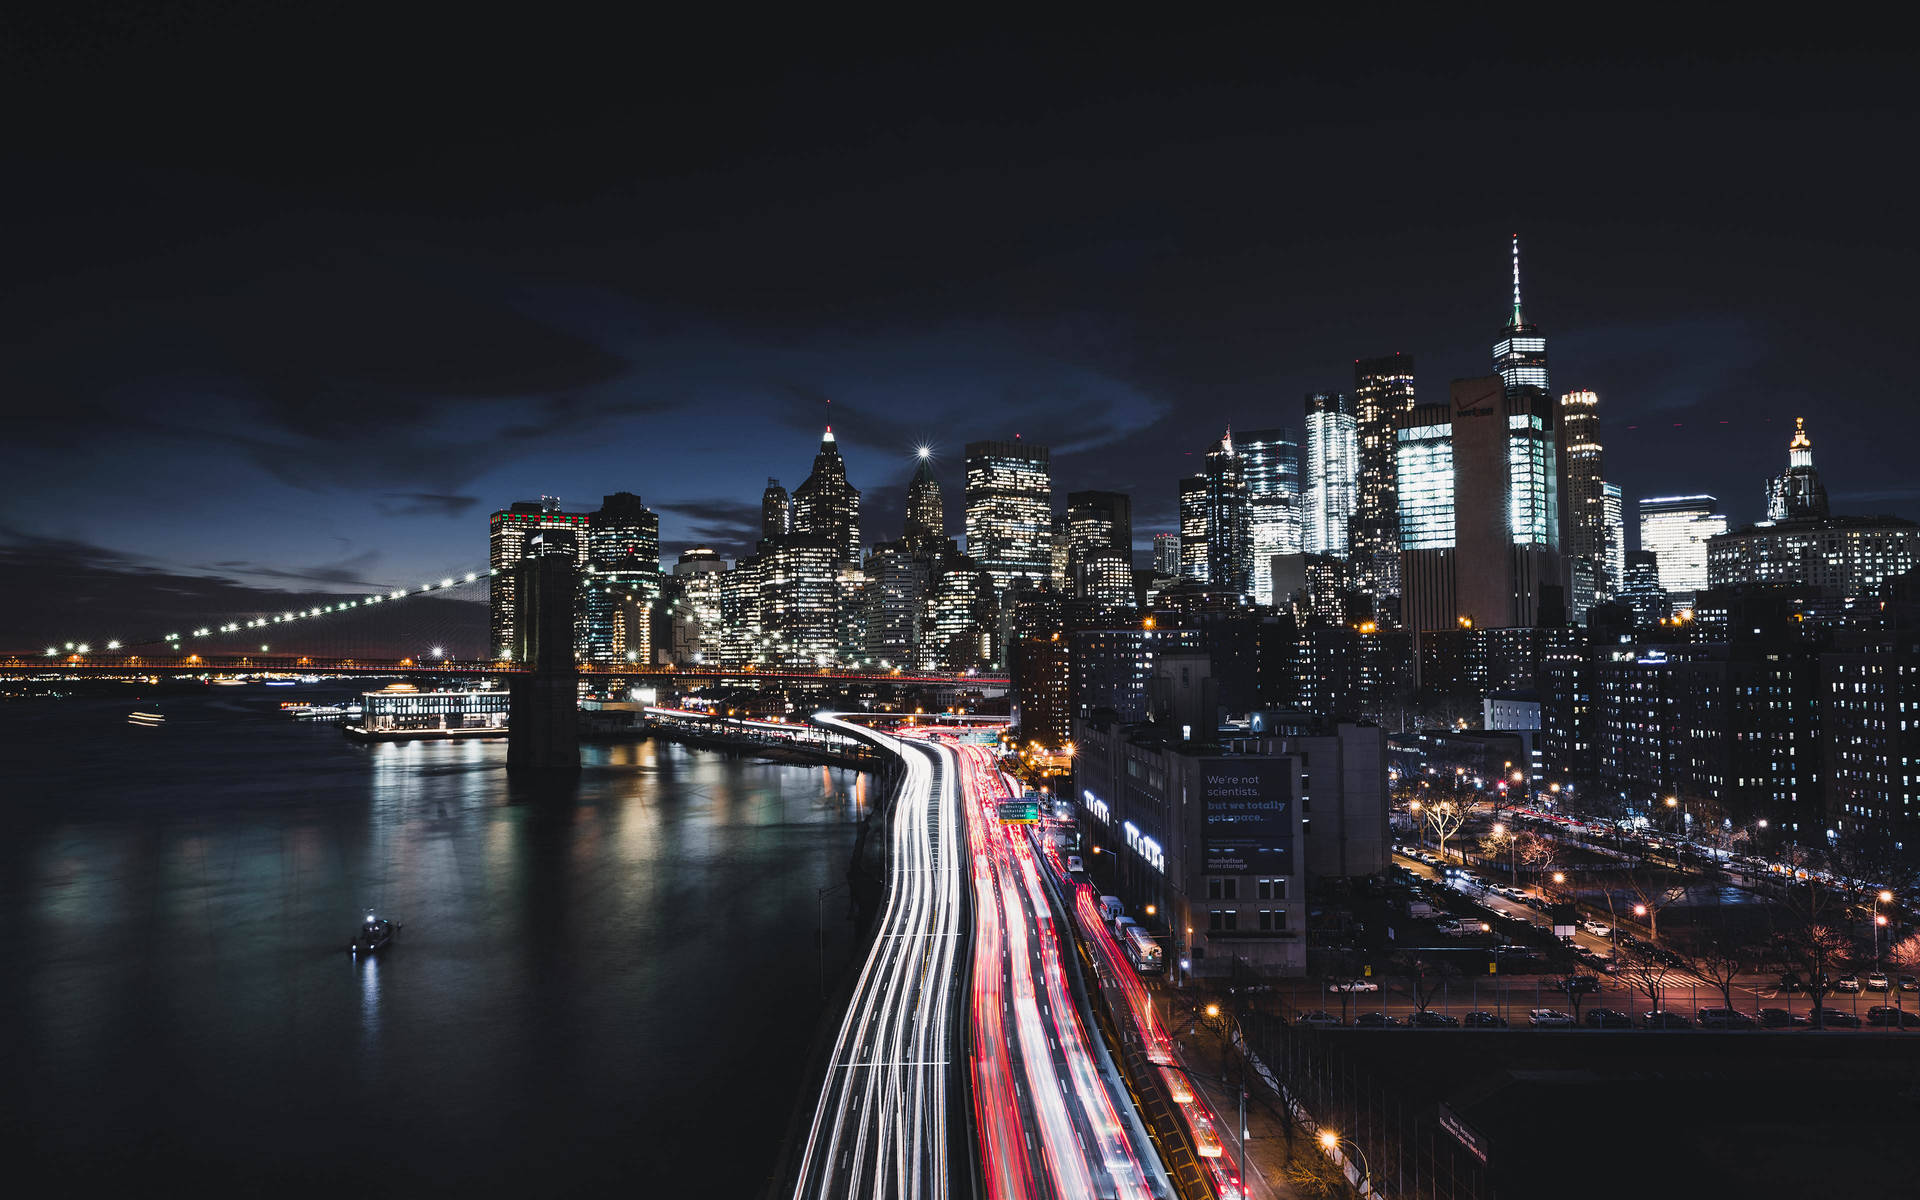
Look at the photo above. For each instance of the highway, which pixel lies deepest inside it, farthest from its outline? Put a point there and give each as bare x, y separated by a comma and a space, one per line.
880, 1126
1052, 1124
1203, 1125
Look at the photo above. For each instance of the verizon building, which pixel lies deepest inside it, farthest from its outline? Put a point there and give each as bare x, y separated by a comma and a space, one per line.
1479, 508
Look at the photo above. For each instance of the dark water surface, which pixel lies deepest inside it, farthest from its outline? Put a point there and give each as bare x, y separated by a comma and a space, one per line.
614, 989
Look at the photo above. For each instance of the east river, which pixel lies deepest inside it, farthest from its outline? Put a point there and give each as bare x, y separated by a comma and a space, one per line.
611, 991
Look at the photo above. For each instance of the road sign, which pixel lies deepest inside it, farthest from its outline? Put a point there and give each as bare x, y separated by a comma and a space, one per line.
1024, 812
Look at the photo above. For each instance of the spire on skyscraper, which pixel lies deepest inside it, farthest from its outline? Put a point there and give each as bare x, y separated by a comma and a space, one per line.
1520, 356
1517, 322
1799, 492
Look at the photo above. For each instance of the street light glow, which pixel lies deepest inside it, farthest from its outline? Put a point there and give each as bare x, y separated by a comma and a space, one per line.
1329, 1139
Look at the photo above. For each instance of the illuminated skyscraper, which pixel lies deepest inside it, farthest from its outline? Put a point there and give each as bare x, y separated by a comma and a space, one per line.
622, 581
1229, 519
1010, 511
1798, 493
1061, 572
800, 602
826, 506
1332, 467
1641, 590
1615, 521
1675, 529
1583, 506
701, 572
961, 614
896, 599
1382, 397
739, 641
1193, 529
507, 533
926, 517
1166, 554
1271, 465
1520, 356
776, 514
1097, 523
1479, 518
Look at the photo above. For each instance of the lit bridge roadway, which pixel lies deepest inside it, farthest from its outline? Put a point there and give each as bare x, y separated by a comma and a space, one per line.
109, 665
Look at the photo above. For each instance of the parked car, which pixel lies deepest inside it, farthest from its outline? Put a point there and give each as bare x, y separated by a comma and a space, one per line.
1909, 984
1780, 1018
1608, 1018
1876, 981
1790, 982
1549, 1016
1481, 1019
1578, 983
1723, 1018
1838, 1018
1432, 1020
1597, 928
1658, 1019
1319, 1018
1847, 983
1353, 985
1375, 1020
1898, 1018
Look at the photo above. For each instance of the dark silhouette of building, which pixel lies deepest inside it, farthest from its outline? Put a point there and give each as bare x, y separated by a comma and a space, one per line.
543, 718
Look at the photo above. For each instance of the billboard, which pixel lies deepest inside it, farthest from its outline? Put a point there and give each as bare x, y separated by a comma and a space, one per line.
1247, 815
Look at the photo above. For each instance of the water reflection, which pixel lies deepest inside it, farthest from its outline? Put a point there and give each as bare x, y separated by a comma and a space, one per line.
584, 963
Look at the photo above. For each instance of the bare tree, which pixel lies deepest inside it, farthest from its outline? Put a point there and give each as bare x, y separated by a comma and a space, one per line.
1652, 889
1314, 1176
1810, 942
1536, 853
1428, 979
1645, 972
1445, 818
1861, 863
1721, 963
1904, 957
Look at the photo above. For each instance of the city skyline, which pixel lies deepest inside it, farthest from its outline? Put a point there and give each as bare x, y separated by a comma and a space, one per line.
359, 410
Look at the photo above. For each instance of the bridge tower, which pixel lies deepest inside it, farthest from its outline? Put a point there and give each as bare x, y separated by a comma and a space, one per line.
543, 717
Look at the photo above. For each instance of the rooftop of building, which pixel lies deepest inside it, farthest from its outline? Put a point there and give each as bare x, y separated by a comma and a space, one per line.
1838, 521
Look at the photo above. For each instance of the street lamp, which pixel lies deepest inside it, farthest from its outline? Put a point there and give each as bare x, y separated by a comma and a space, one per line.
1512, 839
1879, 923
1213, 1011
1333, 1141
1652, 919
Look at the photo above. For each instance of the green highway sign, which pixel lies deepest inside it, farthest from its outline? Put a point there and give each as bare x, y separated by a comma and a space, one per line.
1023, 811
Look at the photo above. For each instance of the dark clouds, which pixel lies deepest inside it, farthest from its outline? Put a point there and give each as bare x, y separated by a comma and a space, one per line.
410, 504
724, 524
376, 287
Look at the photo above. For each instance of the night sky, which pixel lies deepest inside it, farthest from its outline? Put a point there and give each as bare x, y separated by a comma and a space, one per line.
292, 300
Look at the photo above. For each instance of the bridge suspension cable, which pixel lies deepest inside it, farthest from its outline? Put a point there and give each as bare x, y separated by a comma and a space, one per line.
259, 621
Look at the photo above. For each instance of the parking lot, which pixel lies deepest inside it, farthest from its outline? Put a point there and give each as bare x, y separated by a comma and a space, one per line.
1487, 985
